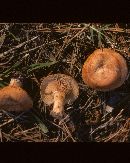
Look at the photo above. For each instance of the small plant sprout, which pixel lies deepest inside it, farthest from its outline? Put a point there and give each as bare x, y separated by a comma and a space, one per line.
14, 98
104, 70
58, 89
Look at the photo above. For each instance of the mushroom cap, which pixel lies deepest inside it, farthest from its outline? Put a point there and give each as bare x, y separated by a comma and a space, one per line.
104, 70
14, 98
58, 82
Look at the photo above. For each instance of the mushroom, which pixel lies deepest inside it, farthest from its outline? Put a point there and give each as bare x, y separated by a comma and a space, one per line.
58, 89
104, 70
14, 98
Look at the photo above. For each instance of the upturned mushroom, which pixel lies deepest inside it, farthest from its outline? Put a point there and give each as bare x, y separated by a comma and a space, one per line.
104, 70
14, 98
58, 89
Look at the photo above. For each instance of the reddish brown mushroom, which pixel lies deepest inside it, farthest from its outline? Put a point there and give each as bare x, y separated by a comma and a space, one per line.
14, 98
104, 70
58, 89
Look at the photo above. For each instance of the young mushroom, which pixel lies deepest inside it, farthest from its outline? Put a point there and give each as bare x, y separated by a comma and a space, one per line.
14, 98
104, 70
58, 89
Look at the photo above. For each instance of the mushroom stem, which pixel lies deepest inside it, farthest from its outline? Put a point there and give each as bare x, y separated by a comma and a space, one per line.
15, 82
58, 107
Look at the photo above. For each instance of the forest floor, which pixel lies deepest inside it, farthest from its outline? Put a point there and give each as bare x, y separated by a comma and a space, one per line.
39, 49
